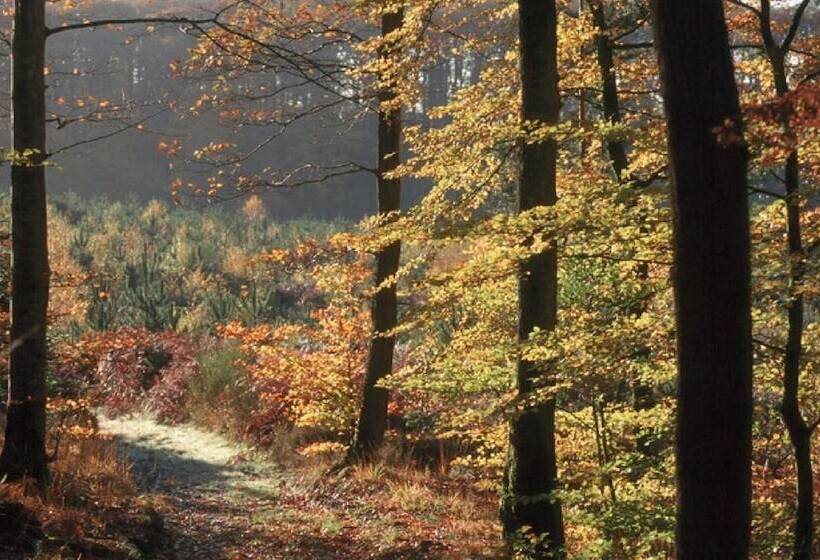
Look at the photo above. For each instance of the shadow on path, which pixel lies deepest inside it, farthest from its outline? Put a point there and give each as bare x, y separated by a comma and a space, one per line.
157, 470
210, 490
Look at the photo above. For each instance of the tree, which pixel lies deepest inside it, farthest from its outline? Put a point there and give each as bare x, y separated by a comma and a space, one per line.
617, 152
529, 502
24, 446
711, 279
609, 86
372, 421
310, 49
799, 430
24, 452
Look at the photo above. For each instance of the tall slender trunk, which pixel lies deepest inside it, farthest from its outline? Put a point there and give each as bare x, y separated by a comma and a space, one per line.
531, 477
609, 83
643, 399
372, 422
799, 431
711, 279
24, 448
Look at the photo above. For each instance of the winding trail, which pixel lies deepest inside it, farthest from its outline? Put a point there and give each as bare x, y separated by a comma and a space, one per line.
218, 503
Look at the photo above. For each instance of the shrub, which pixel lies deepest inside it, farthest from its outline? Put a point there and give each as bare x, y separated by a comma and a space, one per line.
127, 369
221, 395
308, 375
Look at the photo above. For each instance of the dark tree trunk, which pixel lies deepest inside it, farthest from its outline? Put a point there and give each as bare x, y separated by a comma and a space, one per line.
642, 393
372, 421
609, 83
711, 280
531, 476
24, 448
799, 431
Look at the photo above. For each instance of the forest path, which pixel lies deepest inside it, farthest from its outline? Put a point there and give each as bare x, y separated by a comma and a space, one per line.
220, 503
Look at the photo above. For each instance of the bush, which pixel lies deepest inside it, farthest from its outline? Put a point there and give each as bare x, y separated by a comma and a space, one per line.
128, 369
221, 394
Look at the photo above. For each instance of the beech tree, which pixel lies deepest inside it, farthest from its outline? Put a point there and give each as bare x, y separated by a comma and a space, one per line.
711, 279
800, 430
372, 421
605, 47
529, 502
24, 453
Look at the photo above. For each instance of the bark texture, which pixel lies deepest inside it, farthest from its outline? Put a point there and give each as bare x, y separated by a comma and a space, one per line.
531, 477
711, 280
24, 447
799, 431
609, 85
372, 422
643, 397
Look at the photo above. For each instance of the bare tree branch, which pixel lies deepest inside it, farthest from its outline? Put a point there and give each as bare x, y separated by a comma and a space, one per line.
795, 25
105, 136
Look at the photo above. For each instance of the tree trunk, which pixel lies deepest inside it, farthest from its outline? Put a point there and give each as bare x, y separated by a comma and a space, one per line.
531, 476
799, 432
24, 448
372, 422
711, 279
643, 398
609, 83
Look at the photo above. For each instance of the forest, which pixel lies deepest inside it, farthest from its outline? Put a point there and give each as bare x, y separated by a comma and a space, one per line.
410, 279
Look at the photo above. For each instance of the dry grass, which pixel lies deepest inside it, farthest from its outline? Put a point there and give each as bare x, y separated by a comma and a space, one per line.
404, 512
387, 509
92, 508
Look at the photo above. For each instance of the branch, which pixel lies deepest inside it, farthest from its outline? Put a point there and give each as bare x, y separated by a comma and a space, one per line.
615, 258
625, 46
766, 193
626, 33
746, 6
132, 21
795, 26
765, 17
752, 46
291, 180
776, 176
105, 136
769, 346
809, 77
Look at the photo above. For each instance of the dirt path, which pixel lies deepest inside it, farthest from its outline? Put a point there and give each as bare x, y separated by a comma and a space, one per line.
220, 504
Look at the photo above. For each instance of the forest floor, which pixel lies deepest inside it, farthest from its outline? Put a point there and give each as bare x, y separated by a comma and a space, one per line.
220, 501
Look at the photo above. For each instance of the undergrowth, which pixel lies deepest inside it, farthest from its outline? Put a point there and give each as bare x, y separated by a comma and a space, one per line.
92, 509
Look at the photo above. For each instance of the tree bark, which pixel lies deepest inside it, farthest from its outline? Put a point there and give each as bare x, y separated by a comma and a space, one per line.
643, 398
531, 478
609, 83
24, 447
799, 431
711, 280
372, 422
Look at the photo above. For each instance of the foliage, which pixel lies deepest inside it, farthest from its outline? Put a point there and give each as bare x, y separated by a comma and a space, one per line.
249, 325
310, 373
118, 265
